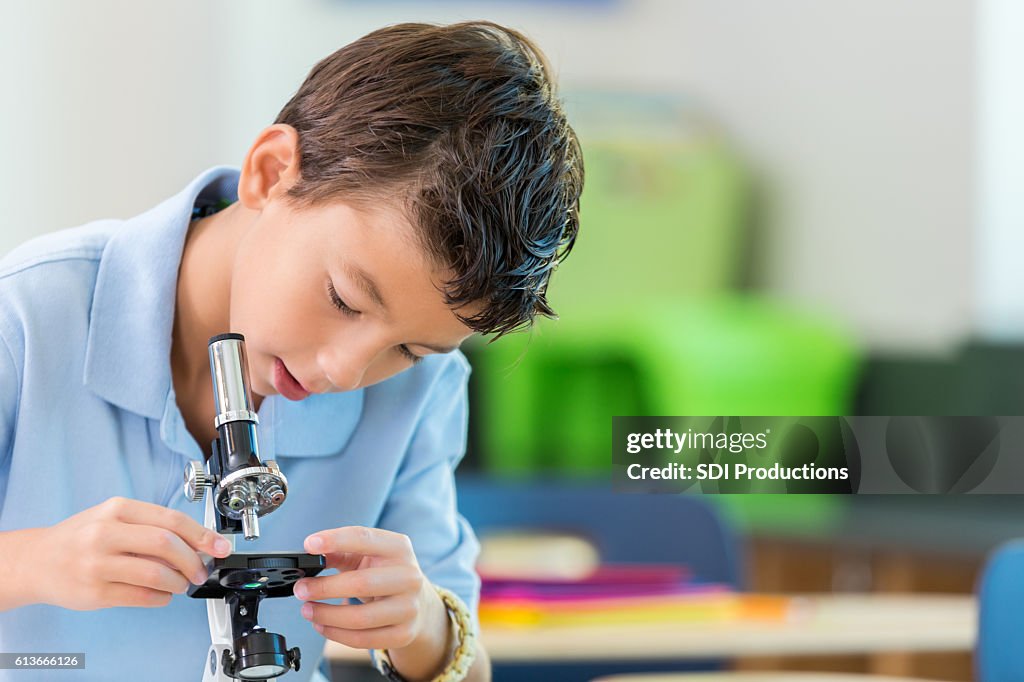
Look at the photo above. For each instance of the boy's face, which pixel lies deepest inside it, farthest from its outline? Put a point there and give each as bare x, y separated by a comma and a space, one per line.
286, 266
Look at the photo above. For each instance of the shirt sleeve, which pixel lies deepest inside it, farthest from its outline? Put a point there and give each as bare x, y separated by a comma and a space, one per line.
10, 384
422, 502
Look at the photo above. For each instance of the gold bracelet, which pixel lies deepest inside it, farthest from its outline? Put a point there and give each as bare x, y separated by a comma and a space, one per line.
465, 651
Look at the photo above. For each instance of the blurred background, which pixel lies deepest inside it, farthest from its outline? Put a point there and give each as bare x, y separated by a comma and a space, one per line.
792, 207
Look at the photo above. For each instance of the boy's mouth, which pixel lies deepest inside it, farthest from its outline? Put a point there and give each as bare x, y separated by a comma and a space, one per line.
286, 384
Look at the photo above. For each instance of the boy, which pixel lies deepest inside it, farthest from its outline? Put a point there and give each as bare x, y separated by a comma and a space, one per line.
420, 187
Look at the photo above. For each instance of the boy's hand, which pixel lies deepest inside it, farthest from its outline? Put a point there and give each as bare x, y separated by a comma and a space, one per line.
379, 567
121, 552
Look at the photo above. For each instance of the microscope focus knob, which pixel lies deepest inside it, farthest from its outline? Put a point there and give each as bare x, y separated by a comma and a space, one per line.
196, 482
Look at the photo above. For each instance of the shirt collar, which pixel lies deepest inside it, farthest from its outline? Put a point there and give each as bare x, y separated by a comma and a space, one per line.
128, 351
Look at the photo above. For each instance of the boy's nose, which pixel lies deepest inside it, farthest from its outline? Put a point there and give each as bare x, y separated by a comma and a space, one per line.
349, 382
344, 370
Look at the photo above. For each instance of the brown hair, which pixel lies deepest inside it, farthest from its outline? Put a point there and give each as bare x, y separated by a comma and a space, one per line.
462, 121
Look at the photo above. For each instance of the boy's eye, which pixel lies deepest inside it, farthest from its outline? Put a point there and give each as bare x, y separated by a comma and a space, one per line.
337, 302
348, 310
408, 354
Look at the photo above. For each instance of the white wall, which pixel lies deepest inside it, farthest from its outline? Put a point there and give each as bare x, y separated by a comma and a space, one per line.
108, 108
856, 115
1000, 211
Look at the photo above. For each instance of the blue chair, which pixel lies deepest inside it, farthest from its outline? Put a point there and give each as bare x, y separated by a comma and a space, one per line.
623, 528
999, 655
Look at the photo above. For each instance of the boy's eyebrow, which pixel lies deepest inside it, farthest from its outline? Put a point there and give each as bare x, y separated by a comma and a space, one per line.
369, 287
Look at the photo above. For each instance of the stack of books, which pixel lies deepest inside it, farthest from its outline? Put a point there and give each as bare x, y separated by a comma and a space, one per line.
618, 595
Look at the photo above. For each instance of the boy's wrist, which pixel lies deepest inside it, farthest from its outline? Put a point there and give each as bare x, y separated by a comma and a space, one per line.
32, 574
426, 656
460, 645
23, 585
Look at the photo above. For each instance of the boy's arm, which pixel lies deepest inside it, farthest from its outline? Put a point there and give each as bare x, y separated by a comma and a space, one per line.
422, 502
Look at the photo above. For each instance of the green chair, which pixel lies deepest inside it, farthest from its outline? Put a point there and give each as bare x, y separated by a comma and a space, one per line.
546, 400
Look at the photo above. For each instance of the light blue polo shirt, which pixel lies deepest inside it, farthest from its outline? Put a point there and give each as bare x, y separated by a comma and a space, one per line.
88, 412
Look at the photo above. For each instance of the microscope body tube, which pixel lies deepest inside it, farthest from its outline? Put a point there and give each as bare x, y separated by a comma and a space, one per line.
236, 419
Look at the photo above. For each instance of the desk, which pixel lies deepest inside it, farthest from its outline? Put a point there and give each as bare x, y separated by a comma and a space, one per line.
817, 625
754, 677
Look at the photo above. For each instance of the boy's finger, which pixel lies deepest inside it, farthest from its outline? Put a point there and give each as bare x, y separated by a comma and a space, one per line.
121, 594
151, 541
200, 538
362, 540
140, 571
381, 581
375, 614
344, 561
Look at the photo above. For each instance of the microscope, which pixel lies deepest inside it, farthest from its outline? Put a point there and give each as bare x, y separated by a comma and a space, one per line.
239, 489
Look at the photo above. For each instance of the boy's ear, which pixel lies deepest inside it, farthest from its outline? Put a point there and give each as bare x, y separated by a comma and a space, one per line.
270, 167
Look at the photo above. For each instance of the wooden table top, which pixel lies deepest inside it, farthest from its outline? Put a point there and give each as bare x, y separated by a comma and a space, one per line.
817, 624
753, 677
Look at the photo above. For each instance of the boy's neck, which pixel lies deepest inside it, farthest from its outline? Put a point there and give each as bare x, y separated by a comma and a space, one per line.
202, 304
